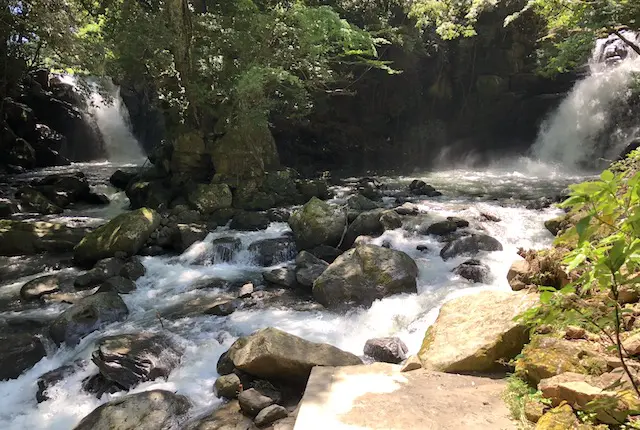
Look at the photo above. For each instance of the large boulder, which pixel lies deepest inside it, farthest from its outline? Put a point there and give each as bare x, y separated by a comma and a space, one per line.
153, 194
470, 245
186, 235
364, 274
208, 198
282, 276
275, 355
366, 224
26, 238
148, 410
130, 359
87, 315
476, 332
127, 233
120, 179
317, 223
19, 352
36, 201
39, 287
309, 268
269, 252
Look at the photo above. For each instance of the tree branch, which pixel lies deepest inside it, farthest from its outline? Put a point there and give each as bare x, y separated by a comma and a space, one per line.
629, 43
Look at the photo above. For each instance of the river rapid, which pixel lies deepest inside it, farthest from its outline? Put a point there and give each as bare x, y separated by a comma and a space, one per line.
503, 190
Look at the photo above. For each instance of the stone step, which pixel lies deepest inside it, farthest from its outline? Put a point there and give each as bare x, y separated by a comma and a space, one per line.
380, 397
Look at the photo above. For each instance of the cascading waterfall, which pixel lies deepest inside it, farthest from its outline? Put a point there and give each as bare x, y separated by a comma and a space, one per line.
573, 135
112, 118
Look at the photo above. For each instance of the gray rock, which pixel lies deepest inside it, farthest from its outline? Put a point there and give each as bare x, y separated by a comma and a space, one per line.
283, 276
130, 359
87, 315
36, 201
407, 209
222, 309
187, 234
420, 188
364, 274
269, 252
470, 245
19, 352
270, 414
309, 268
39, 287
253, 401
117, 284
249, 221
133, 269
148, 410
360, 203
326, 253
52, 377
390, 220
103, 270
246, 290
474, 271
208, 198
227, 386
366, 224
386, 349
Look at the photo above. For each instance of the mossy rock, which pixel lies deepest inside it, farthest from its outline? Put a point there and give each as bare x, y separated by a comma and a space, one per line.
208, 198
547, 356
126, 233
317, 223
27, 238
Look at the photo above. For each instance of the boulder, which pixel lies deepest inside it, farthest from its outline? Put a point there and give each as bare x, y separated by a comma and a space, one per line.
407, 209
125, 233
87, 315
474, 271
74, 185
270, 414
228, 386
386, 349
631, 345
249, 221
36, 201
224, 417
130, 359
121, 179
364, 274
310, 188
309, 268
475, 333
148, 410
281, 184
222, 309
269, 252
390, 220
133, 269
282, 276
19, 352
420, 188
275, 355
152, 194
557, 225
39, 287
188, 234
441, 228
360, 203
547, 356
559, 418
103, 270
117, 284
470, 245
519, 274
27, 238
208, 198
253, 401
317, 223
326, 253
365, 224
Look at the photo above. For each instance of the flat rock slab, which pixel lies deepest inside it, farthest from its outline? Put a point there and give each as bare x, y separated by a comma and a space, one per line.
379, 397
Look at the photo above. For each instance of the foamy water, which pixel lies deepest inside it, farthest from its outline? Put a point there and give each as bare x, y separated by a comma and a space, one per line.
171, 280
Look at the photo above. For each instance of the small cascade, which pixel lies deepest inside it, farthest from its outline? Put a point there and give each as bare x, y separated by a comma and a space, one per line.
588, 125
112, 118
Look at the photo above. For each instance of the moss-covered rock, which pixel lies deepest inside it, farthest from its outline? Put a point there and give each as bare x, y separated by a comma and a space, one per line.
207, 198
317, 223
547, 356
365, 274
559, 418
26, 238
36, 201
476, 332
126, 233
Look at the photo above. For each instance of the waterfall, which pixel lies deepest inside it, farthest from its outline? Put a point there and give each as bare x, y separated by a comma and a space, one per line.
112, 118
584, 128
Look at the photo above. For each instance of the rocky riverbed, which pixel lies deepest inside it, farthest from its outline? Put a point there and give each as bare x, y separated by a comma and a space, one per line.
146, 304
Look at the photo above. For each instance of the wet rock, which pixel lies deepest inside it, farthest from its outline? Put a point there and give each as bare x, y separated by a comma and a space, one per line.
278, 214
121, 179
246, 290
8, 208
253, 401
557, 225
270, 414
39, 287
490, 217
541, 203
28, 238
326, 253
317, 223
228, 386
470, 245
225, 365
152, 250
474, 271
276, 355
222, 309
103, 270
249, 221
117, 284
19, 352
420, 188
283, 276
51, 378
269, 252
386, 349
390, 220
148, 410
360, 203
441, 228
476, 332
407, 209
423, 248
310, 188
188, 234
151, 194
87, 315
364, 274
208, 198
130, 359
309, 268
133, 269
224, 249
36, 201
365, 224
126, 233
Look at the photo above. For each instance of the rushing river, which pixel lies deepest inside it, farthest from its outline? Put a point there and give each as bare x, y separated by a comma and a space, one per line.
173, 280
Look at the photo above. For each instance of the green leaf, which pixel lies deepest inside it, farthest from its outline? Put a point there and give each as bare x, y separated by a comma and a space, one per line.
607, 176
545, 297
581, 227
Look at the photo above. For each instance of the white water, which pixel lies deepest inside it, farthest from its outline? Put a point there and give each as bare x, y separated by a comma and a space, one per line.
570, 136
171, 280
